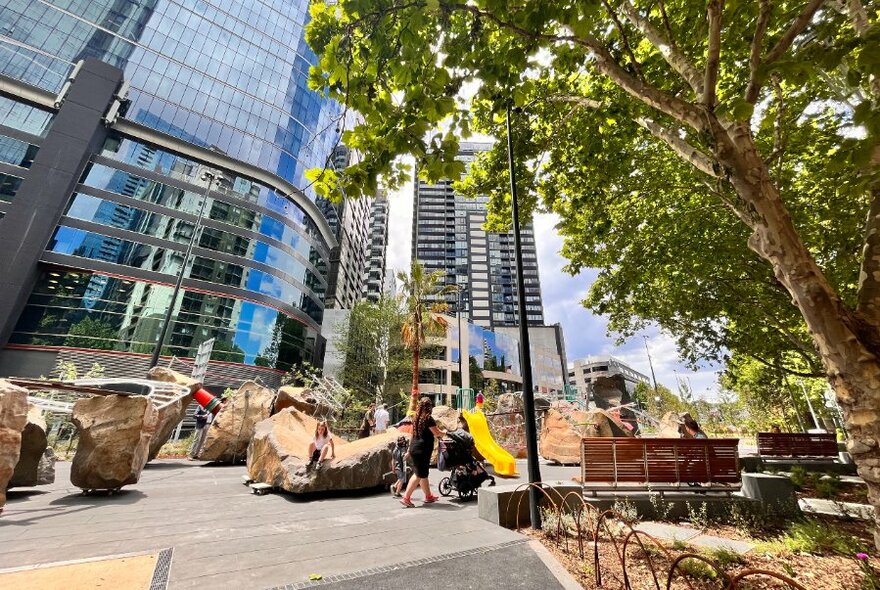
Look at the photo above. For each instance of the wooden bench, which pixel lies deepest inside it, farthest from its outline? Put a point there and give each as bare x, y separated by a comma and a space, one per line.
635, 464
797, 445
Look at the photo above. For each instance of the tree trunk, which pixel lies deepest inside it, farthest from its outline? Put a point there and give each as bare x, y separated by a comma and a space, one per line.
846, 343
414, 398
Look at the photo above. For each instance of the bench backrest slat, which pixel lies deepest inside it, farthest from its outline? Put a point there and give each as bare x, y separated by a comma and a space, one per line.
796, 444
659, 460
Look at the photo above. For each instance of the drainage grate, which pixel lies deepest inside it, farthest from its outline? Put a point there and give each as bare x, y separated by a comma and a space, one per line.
397, 566
162, 570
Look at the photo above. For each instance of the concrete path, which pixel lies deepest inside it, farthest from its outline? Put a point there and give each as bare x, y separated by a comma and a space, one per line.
692, 536
223, 536
833, 508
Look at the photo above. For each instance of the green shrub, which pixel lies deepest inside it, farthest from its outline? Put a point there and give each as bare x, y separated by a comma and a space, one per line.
813, 536
798, 476
697, 569
828, 486
726, 557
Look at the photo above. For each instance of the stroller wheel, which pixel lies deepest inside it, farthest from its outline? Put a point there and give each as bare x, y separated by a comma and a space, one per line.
445, 487
491, 481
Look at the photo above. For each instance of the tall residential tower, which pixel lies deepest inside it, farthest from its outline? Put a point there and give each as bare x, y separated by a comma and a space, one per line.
448, 235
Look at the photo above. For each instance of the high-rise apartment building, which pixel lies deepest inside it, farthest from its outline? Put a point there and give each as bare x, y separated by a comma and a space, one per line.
111, 110
350, 220
448, 235
375, 279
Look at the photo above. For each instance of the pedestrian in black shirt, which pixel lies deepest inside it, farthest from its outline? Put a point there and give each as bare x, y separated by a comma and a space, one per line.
424, 431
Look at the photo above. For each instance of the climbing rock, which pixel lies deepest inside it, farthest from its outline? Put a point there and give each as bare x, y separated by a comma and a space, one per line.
507, 426
114, 440
278, 453
170, 416
33, 446
46, 468
565, 425
303, 400
669, 425
229, 434
446, 417
13, 417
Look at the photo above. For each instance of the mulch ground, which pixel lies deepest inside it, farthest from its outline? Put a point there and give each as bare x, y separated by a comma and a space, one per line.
825, 572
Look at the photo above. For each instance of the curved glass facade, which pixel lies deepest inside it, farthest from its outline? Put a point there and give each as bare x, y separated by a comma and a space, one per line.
230, 74
104, 312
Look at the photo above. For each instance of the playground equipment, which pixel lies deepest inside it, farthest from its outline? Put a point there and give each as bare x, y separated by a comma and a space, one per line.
501, 460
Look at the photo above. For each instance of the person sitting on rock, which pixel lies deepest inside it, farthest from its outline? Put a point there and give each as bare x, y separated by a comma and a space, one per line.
323, 442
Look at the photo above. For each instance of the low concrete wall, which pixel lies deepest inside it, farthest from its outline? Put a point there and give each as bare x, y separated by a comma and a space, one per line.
844, 466
508, 506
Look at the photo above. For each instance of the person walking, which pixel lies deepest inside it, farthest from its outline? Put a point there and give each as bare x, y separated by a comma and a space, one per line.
382, 418
424, 431
203, 418
368, 422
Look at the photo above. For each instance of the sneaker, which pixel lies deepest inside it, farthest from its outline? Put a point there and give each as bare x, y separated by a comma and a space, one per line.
407, 503
431, 499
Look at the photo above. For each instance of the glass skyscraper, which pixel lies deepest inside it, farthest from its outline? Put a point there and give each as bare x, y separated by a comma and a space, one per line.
226, 78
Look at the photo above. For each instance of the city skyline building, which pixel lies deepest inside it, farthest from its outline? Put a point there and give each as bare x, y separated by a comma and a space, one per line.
110, 112
448, 235
376, 278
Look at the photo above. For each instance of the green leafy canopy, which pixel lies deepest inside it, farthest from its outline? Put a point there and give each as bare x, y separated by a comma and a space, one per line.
617, 106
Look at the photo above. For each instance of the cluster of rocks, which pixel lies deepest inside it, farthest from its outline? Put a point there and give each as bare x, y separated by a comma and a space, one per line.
564, 426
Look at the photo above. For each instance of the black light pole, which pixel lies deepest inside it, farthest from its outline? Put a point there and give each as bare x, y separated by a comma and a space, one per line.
525, 349
210, 176
461, 292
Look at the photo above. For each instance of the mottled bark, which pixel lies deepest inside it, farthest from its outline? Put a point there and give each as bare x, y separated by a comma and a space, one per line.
846, 344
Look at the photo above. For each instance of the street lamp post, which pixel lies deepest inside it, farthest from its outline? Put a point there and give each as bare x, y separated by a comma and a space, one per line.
461, 293
210, 176
525, 349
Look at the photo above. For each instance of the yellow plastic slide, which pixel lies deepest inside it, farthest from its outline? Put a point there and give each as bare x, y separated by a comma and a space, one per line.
501, 460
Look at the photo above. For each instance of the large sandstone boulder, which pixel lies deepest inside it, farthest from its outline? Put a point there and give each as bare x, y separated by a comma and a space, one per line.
278, 455
33, 447
114, 440
565, 425
669, 425
13, 417
171, 415
230, 433
507, 425
446, 417
303, 400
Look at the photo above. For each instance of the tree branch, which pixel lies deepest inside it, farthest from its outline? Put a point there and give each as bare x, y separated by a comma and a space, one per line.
675, 58
754, 85
713, 53
796, 28
624, 38
686, 151
811, 375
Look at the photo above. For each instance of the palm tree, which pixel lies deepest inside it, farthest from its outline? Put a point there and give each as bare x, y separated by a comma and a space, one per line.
420, 293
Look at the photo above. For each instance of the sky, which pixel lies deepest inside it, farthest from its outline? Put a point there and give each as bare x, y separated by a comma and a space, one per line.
584, 332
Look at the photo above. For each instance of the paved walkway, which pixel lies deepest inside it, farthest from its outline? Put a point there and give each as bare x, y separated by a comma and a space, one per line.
222, 536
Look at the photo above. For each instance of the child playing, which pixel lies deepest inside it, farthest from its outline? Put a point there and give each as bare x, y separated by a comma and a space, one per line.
398, 465
323, 442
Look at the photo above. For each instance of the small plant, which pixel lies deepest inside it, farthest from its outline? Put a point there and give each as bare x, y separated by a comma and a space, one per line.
661, 507
627, 510
726, 557
813, 536
870, 581
828, 486
679, 545
697, 569
699, 517
798, 476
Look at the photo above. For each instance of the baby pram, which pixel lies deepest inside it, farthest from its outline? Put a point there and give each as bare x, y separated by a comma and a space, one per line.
456, 455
